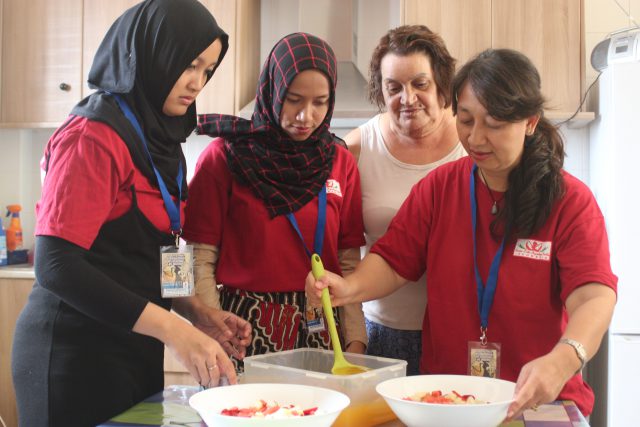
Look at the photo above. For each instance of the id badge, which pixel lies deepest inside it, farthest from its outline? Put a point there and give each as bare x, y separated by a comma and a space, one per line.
314, 320
484, 359
176, 271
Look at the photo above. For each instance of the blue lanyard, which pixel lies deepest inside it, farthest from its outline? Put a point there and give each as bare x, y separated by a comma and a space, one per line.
322, 216
173, 208
485, 293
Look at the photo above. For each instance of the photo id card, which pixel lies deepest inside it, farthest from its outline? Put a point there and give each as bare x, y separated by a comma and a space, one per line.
484, 359
314, 320
176, 271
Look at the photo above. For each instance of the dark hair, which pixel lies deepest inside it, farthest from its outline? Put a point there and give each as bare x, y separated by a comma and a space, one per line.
507, 84
406, 40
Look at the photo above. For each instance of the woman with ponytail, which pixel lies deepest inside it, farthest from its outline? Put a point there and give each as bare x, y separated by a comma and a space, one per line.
515, 249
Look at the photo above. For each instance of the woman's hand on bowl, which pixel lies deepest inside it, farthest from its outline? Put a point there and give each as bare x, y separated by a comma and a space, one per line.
540, 381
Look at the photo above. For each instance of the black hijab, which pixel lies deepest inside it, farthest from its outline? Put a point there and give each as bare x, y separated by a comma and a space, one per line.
283, 173
141, 57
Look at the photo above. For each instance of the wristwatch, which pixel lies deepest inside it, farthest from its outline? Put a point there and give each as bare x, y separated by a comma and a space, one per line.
580, 351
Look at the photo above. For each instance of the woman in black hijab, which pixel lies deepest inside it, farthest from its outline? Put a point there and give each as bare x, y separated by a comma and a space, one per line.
89, 344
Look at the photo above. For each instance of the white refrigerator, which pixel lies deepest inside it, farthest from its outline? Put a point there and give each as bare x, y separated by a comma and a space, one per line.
615, 181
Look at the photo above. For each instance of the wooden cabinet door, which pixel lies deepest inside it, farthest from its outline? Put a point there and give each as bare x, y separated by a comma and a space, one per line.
235, 81
1, 9
548, 32
465, 25
98, 17
247, 52
218, 95
13, 297
41, 67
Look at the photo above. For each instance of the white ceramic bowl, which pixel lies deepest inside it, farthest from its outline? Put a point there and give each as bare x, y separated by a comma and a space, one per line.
498, 393
209, 403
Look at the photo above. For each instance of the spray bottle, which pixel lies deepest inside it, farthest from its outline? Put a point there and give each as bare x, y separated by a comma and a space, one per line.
14, 232
3, 246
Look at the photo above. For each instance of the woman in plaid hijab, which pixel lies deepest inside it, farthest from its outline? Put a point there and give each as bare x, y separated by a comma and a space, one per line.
256, 175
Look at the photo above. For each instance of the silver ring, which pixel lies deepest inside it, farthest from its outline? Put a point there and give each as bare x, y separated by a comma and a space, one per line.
211, 368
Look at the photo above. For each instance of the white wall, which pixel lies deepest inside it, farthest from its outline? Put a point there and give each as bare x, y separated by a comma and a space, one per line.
601, 18
577, 148
20, 153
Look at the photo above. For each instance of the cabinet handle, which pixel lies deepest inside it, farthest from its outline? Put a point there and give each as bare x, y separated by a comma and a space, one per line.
65, 87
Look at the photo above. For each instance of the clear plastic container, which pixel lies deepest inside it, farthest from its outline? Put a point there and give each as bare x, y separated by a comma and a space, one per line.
313, 367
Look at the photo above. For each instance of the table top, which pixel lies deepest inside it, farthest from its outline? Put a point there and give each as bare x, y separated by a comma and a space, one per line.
17, 271
171, 408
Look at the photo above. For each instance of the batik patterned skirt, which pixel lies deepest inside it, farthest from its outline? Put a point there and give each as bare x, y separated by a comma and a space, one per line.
278, 321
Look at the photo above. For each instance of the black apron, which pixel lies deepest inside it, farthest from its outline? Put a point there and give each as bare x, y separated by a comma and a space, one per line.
70, 370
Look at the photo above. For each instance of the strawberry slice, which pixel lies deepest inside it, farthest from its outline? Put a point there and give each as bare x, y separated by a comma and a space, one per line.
309, 411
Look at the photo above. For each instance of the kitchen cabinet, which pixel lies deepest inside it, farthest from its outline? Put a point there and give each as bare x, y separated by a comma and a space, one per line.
547, 31
97, 19
13, 296
464, 25
1, 9
41, 61
233, 84
46, 57
246, 57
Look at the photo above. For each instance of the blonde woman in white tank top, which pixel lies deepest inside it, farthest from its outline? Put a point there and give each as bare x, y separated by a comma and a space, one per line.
410, 74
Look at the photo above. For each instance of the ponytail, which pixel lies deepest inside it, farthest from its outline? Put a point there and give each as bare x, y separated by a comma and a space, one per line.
535, 184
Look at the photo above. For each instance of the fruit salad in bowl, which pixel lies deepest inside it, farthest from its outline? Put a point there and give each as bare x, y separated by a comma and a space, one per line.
448, 400
262, 405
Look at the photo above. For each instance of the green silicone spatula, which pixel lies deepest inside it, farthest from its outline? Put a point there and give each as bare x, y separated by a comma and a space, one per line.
340, 364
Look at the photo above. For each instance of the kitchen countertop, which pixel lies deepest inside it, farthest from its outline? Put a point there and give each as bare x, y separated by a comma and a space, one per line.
17, 271
171, 408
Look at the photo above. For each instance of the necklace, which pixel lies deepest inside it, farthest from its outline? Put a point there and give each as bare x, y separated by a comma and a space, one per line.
494, 208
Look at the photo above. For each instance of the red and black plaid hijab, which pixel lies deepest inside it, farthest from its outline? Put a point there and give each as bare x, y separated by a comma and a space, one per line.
283, 173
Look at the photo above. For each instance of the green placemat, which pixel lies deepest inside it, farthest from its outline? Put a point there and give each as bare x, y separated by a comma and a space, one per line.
164, 414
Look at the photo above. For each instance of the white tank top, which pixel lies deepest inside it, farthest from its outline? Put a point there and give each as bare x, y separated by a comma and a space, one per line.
386, 183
